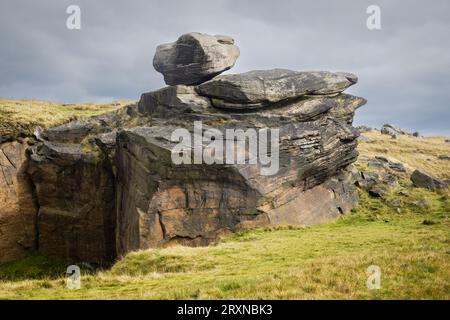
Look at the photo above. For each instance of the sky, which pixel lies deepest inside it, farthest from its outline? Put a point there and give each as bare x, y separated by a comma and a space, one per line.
403, 68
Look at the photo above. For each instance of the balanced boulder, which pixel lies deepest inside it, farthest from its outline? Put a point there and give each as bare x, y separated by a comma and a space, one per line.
195, 58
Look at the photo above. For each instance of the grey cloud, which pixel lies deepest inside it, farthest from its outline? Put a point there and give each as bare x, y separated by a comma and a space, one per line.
403, 68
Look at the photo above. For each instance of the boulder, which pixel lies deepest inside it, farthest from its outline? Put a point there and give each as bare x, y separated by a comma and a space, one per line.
258, 89
195, 58
423, 180
363, 129
444, 157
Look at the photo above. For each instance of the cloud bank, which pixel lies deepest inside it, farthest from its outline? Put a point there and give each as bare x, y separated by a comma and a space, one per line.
403, 68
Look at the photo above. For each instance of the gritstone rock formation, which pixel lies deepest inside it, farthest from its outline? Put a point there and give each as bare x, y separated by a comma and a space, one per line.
107, 185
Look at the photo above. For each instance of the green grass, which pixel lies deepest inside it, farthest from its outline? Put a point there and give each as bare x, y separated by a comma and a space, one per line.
321, 262
33, 267
410, 243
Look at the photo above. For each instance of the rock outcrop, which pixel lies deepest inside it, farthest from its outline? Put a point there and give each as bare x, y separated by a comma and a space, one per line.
195, 58
108, 185
424, 180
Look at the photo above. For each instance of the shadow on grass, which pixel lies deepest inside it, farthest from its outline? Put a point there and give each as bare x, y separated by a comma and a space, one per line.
33, 267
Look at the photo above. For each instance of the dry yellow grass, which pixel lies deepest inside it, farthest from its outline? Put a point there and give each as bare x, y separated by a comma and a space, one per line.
18, 118
414, 153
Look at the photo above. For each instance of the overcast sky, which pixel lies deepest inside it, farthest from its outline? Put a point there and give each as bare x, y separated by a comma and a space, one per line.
403, 68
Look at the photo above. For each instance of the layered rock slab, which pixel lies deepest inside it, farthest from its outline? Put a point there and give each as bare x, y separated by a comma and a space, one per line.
262, 88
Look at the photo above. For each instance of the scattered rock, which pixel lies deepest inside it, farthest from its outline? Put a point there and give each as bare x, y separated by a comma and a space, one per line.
195, 58
420, 203
107, 184
393, 131
363, 129
396, 203
423, 180
38, 133
396, 166
367, 180
443, 157
378, 191
381, 162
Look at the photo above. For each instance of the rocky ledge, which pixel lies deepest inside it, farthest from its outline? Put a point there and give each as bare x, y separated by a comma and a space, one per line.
99, 188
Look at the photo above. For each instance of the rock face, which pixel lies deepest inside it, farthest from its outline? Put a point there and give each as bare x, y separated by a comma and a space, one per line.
424, 180
75, 189
108, 185
194, 204
18, 205
195, 58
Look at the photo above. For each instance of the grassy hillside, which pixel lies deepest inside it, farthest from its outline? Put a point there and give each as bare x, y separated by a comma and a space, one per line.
18, 118
411, 245
414, 153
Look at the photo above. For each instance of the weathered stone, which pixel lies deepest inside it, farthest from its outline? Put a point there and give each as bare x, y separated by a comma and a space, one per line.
396, 203
394, 131
424, 180
107, 184
195, 58
378, 191
75, 189
194, 204
257, 89
18, 207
